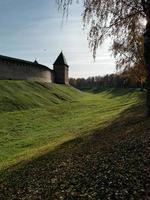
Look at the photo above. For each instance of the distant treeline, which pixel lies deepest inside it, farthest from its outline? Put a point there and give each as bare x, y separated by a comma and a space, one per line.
104, 82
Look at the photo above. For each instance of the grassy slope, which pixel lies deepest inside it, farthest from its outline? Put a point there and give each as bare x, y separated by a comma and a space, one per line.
28, 117
47, 123
18, 95
111, 163
108, 139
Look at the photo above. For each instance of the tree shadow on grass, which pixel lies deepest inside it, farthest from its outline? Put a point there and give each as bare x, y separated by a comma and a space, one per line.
110, 163
114, 92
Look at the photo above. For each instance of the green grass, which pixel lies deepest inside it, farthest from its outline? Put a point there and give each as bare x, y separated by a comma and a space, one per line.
18, 95
59, 143
40, 117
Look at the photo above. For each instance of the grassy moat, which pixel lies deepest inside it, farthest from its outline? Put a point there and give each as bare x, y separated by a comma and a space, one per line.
60, 143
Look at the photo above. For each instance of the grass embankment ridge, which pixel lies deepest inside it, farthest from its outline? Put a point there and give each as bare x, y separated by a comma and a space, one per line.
19, 95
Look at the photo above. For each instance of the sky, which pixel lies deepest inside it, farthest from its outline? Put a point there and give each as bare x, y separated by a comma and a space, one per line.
34, 29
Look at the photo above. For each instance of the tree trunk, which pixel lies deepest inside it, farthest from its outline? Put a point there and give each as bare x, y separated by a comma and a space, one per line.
146, 6
141, 86
147, 64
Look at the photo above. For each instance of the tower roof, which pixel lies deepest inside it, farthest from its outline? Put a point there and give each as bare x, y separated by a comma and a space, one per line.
61, 60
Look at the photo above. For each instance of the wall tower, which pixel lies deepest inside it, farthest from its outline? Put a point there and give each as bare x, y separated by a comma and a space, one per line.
61, 69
